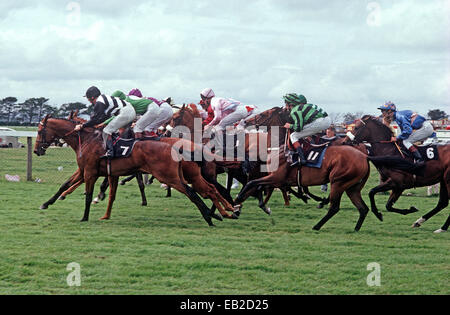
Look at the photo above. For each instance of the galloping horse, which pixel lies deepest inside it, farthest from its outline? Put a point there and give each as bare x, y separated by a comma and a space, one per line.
272, 117
346, 168
76, 180
386, 153
152, 157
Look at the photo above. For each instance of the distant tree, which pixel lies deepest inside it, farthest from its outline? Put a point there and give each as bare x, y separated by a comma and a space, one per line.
8, 107
336, 118
437, 114
352, 116
65, 109
33, 109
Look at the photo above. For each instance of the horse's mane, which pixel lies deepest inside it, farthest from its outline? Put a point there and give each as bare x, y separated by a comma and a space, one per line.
194, 110
377, 122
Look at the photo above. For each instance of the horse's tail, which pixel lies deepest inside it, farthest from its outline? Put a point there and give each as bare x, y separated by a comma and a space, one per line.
397, 163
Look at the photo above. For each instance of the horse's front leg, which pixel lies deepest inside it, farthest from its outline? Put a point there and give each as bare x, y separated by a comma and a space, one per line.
113, 182
89, 181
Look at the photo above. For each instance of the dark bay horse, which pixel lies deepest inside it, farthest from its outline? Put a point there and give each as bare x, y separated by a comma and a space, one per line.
152, 157
346, 168
387, 156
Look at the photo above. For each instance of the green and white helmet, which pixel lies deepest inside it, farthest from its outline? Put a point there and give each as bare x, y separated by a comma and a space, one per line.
295, 99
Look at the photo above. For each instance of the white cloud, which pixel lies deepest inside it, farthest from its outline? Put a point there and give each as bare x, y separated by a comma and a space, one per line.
254, 51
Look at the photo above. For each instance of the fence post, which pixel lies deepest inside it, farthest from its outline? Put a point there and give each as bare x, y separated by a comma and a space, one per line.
30, 157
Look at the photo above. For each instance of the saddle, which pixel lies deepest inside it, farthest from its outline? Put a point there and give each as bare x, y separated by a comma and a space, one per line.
122, 148
428, 152
313, 150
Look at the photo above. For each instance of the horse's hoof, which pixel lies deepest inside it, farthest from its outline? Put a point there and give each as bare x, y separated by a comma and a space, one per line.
121, 183
95, 201
418, 223
104, 218
61, 197
319, 206
234, 216
316, 228
84, 220
217, 216
413, 209
237, 212
379, 216
439, 231
267, 210
43, 207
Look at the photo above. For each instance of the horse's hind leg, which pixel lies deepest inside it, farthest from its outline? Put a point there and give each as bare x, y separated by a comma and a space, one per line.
443, 203
127, 179
101, 195
395, 194
140, 181
113, 183
335, 201
354, 193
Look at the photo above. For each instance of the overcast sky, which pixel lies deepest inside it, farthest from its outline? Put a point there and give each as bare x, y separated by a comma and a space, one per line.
345, 56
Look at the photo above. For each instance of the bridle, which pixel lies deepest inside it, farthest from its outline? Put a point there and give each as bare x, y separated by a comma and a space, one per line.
43, 133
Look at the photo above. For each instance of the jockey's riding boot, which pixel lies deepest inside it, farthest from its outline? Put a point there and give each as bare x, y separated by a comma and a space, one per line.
300, 156
109, 148
417, 156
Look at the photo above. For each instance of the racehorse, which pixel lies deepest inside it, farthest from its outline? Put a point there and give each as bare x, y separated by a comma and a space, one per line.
153, 157
247, 169
388, 158
344, 176
76, 180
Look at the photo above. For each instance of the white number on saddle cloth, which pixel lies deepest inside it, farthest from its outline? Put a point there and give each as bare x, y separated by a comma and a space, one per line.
313, 155
430, 153
124, 149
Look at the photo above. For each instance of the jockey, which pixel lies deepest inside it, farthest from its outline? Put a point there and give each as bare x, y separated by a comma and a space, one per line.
106, 107
308, 119
413, 126
146, 108
227, 111
207, 114
164, 116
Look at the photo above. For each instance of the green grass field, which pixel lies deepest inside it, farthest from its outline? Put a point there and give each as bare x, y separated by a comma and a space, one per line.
167, 248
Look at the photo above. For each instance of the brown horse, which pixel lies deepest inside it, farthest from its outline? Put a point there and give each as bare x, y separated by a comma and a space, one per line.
76, 180
388, 159
152, 157
336, 169
245, 170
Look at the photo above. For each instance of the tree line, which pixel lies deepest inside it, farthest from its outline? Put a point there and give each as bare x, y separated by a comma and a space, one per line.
34, 109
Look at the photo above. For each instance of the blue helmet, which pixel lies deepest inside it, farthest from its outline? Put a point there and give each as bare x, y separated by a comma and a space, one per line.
388, 106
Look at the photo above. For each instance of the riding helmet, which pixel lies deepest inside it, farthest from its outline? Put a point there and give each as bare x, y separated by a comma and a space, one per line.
388, 106
93, 92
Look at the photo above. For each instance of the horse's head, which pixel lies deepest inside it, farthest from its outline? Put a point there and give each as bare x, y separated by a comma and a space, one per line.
370, 129
276, 116
184, 117
50, 130
45, 137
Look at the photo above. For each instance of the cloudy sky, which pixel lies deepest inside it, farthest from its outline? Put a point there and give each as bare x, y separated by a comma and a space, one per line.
346, 56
